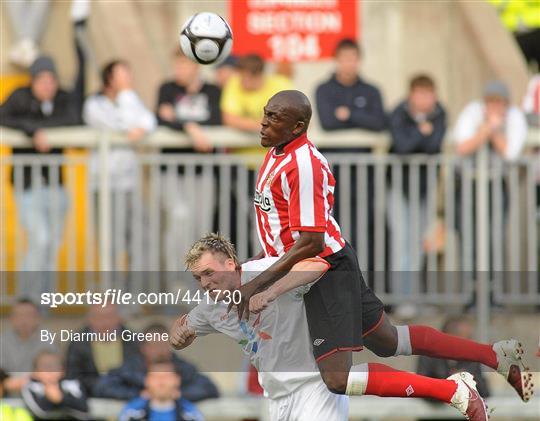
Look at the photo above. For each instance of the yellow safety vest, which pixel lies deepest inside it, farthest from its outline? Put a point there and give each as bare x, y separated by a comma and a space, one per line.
9, 413
518, 15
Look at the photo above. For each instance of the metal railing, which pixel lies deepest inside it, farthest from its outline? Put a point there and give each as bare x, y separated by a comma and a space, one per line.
361, 408
427, 229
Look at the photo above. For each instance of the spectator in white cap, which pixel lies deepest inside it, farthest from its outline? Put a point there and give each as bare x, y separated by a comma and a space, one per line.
493, 121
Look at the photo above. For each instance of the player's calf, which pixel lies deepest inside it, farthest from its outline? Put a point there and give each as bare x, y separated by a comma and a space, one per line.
458, 390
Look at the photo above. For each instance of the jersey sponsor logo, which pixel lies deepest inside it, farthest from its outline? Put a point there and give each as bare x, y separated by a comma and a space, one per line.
262, 202
318, 342
252, 336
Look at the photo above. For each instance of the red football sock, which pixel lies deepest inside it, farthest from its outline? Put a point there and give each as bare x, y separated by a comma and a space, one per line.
386, 381
430, 342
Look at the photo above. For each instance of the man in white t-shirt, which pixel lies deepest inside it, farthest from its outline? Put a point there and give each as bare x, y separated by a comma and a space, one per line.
494, 121
276, 339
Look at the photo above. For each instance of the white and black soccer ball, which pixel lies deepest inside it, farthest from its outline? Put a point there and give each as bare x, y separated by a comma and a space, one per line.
206, 38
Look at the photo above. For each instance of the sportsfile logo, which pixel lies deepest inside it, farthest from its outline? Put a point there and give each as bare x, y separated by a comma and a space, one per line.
262, 201
318, 342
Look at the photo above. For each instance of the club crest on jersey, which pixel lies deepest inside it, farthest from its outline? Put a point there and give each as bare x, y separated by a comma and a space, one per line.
262, 201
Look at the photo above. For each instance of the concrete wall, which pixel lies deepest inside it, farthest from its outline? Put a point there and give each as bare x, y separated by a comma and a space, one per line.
460, 44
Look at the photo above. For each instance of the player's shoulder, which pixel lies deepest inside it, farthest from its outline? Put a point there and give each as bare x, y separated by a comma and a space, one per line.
307, 153
259, 264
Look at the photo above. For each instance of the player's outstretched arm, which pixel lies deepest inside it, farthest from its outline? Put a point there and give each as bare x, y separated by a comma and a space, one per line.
309, 244
181, 335
303, 273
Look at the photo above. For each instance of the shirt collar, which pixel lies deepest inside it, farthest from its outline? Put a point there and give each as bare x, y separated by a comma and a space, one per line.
293, 144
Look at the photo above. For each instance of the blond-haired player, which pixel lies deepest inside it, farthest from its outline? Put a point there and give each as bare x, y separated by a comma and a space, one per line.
276, 340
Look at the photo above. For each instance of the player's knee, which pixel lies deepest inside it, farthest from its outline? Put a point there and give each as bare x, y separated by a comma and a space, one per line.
336, 382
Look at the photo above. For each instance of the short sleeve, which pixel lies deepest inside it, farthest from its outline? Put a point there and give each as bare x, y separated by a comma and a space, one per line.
516, 133
468, 122
308, 190
198, 320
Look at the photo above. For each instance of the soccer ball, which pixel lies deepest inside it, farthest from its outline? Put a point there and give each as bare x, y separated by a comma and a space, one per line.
206, 38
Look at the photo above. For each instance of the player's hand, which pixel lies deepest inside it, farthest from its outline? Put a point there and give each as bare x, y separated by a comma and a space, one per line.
246, 292
261, 301
181, 335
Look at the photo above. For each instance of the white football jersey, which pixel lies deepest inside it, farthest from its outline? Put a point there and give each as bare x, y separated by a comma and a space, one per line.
277, 339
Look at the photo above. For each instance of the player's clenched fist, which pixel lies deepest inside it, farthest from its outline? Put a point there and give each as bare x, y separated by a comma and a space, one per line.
260, 301
181, 335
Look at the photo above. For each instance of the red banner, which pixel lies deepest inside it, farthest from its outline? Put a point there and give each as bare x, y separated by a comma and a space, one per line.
285, 30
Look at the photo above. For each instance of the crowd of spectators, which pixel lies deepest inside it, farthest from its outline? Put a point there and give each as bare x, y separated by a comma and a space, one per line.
242, 86
157, 382
55, 381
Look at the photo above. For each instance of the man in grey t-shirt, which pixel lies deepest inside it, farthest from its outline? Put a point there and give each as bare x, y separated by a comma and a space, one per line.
20, 343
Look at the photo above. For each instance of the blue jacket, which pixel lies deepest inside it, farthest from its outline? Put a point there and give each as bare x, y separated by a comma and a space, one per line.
140, 409
127, 381
363, 100
407, 138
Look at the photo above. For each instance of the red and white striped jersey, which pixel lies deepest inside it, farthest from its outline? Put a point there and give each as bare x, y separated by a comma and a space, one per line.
294, 193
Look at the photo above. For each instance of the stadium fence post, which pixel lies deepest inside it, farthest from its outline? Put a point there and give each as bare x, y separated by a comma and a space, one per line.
482, 244
104, 198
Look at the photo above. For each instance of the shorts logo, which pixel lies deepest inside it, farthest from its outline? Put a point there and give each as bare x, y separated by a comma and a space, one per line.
318, 342
409, 390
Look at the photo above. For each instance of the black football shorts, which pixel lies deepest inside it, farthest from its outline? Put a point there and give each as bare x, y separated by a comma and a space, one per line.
340, 307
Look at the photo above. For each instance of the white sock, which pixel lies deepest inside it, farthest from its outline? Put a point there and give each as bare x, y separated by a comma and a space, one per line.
404, 341
357, 380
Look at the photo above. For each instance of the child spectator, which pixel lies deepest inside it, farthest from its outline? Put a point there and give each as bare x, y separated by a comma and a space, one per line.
161, 399
49, 395
127, 382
